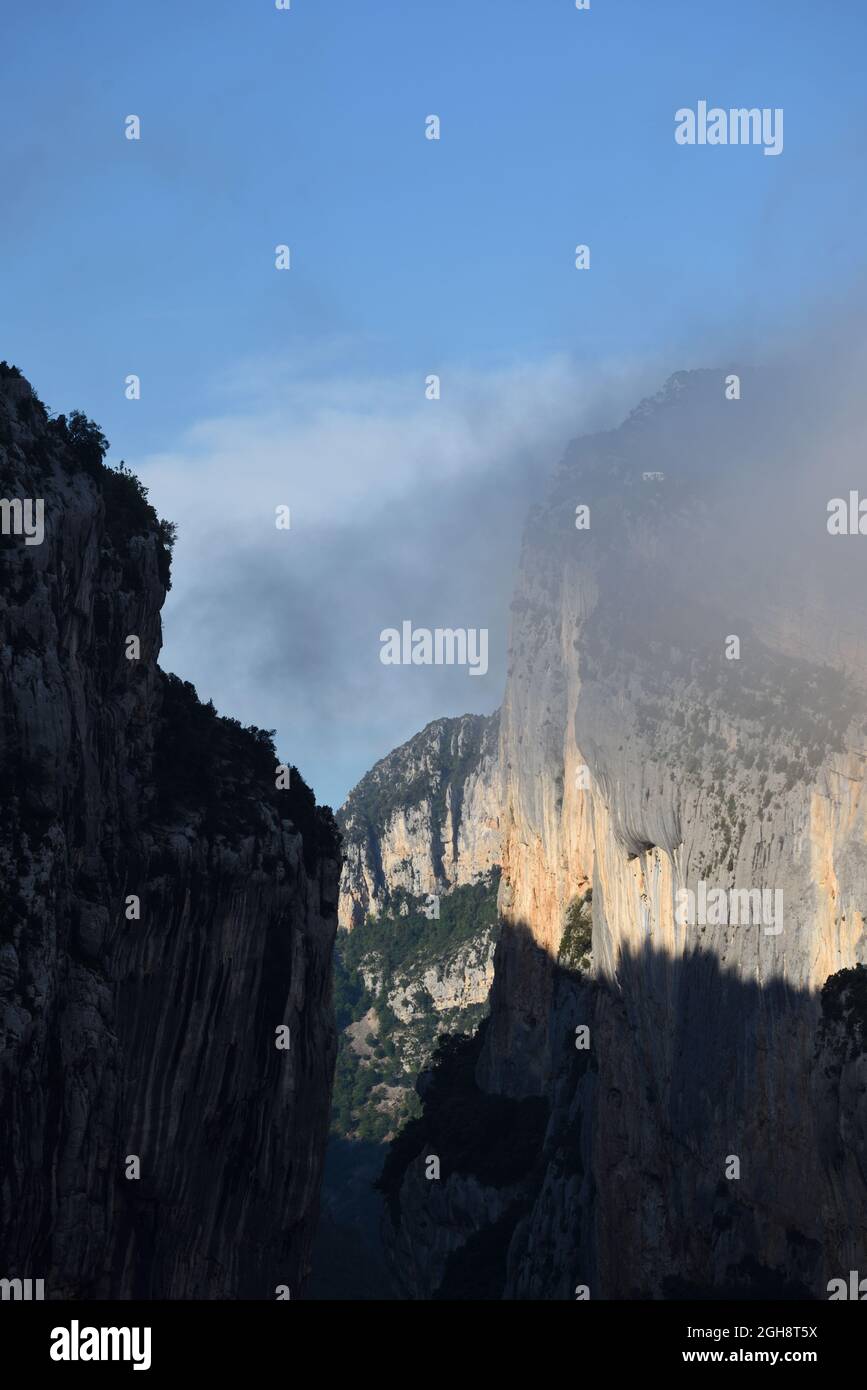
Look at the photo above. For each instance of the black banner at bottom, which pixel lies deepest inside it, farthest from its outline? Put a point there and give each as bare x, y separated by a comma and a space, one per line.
162, 1341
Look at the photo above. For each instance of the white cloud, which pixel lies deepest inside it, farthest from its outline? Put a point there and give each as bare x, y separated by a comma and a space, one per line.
401, 507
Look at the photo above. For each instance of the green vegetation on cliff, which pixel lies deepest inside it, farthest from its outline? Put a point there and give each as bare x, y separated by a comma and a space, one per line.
844, 1012
380, 1055
443, 755
203, 758
80, 446
577, 940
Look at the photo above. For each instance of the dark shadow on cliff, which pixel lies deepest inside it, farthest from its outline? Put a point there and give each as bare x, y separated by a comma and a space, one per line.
548, 1114
167, 911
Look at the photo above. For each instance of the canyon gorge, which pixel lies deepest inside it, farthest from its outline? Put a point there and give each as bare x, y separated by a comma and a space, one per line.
548, 1082
674, 1109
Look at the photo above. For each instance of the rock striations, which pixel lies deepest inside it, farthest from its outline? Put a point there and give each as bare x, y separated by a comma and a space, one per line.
709, 1138
164, 909
424, 819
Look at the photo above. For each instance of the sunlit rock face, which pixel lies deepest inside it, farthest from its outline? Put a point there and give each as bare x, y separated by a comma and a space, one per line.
644, 756
144, 1030
424, 819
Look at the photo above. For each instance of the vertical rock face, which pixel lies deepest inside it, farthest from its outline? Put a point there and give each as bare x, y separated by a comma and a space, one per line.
418, 900
424, 819
144, 1029
725, 1072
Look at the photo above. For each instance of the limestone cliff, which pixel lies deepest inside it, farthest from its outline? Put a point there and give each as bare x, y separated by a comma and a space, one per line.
415, 961
423, 819
164, 910
642, 755
401, 980
459, 982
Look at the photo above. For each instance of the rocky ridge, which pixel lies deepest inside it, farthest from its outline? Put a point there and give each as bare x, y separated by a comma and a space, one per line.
423, 820
637, 759
164, 910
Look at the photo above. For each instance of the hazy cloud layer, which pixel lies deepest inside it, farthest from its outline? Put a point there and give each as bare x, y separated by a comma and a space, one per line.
402, 508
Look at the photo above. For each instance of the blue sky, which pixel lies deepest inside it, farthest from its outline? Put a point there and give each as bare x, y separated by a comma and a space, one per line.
409, 256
